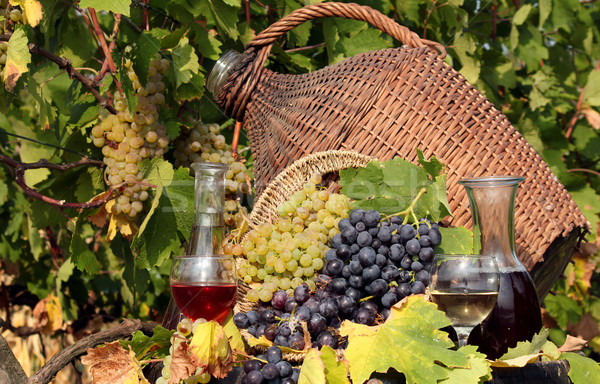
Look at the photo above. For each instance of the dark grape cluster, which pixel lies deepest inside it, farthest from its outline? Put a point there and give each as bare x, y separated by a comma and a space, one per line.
281, 321
384, 260
275, 370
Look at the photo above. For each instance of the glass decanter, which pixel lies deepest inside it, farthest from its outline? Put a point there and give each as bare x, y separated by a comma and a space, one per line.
516, 316
203, 281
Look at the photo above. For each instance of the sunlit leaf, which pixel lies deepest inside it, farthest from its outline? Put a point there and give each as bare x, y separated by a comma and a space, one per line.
17, 58
210, 349
115, 6
112, 364
32, 10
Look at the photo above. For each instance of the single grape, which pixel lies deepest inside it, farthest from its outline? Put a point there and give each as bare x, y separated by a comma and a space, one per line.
372, 218
254, 377
384, 235
326, 338
273, 354
396, 253
334, 267
355, 267
407, 232
271, 332
349, 235
317, 323
346, 271
285, 369
296, 341
279, 299
417, 288
328, 307
346, 305
302, 313
426, 254
301, 293
381, 261
367, 256
416, 266
370, 305
291, 304
371, 273
373, 231
413, 247
353, 293
435, 235
376, 243
390, 273
343, 224
267, 316
360, 227
343, 252
338, 285
389, 299
422, 276
282, 340
270, 371
364, 316
423, 229
241, 320
363, 239
425, 241
252, 365
356, 281
336, 240
379, 287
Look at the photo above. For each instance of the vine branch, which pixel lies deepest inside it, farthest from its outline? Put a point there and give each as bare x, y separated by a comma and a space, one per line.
577, 114
20, 169
102, 40
111, 47
64, 357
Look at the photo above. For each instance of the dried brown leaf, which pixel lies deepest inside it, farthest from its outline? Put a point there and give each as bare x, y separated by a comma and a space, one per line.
585, 329
112, 364
181, 364
572, 344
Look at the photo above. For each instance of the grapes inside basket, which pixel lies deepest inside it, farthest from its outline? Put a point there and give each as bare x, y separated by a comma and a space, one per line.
325, 257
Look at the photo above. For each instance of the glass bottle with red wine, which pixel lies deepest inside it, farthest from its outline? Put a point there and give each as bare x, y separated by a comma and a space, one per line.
516, 315
203, 281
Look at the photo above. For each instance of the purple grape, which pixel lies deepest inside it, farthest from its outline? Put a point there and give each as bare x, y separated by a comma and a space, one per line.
297, 341
317, 324
270, 371
389, 299
241, 320
279, 299
328, 308
355, 216
285, 369
301, 293
252, 365
254, 377
372, 218
273, 355
360, 226
413, 247
364, 316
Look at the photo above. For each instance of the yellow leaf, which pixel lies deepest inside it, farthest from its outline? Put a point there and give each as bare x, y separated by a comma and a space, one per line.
112, 364
118, 223
210, 349
17, 59
313, 369
48, 313
233, 333
32, 10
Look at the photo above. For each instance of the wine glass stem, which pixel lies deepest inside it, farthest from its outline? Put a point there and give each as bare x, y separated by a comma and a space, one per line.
463, 335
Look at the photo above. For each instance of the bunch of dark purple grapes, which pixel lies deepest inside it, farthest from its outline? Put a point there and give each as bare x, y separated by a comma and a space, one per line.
274, 371
383, 260
281, 321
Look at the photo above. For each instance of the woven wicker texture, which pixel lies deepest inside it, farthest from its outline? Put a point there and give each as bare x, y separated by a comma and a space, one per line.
389, 103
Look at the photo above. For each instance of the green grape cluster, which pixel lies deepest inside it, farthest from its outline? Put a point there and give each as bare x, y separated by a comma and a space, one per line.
290, 251
12, 16
205, 143
183, 334
126, 139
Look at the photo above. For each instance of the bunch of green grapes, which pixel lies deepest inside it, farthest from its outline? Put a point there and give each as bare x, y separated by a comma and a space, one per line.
288, 252
11, 16
205, 143
183, 334
126, 139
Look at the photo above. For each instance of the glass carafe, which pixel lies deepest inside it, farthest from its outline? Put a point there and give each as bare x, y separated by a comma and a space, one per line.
516, 316
208, 228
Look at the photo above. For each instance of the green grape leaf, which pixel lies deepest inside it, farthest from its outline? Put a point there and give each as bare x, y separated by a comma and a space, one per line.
521, 15
478, 371
583, 369
225, 17
528, 351
17, 58
114, 6
65, 271
313, 368
89, 184
433, 166
409, 9
208, 42
180, 193
192, 90
455, 241
157, 169
591, 94
390, 187
185, 61
336, 372
545, 10
233, 3
81, 255
465, 47
46, 113
298, 36
145, 347
363, 41
414, 325
563, 309
145, 49
157, 237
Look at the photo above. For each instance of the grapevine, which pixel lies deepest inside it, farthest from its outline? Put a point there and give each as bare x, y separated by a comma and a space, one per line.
126, 139
12, 16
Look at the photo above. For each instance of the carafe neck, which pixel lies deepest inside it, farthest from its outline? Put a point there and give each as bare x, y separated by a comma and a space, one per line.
492, 201
208, 230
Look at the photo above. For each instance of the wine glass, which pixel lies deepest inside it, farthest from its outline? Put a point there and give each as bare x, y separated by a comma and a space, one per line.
465, 287
204, 286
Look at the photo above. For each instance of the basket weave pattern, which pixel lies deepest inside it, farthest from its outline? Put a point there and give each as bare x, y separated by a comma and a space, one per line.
388, 103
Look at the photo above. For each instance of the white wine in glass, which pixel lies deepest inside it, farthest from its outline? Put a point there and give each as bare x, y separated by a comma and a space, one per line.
465, 287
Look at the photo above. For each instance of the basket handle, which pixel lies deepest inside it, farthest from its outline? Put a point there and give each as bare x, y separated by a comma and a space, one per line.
347, 11
238, 87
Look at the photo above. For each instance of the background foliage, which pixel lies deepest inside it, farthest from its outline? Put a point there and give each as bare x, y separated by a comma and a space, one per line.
537, 61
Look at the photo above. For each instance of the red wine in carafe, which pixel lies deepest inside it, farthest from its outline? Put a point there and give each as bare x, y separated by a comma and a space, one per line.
210, 302
516, 316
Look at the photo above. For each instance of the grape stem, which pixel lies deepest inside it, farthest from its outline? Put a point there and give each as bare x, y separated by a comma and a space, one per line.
410, 211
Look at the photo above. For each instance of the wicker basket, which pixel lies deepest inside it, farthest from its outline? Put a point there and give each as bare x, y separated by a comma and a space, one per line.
389, 103
280, 190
